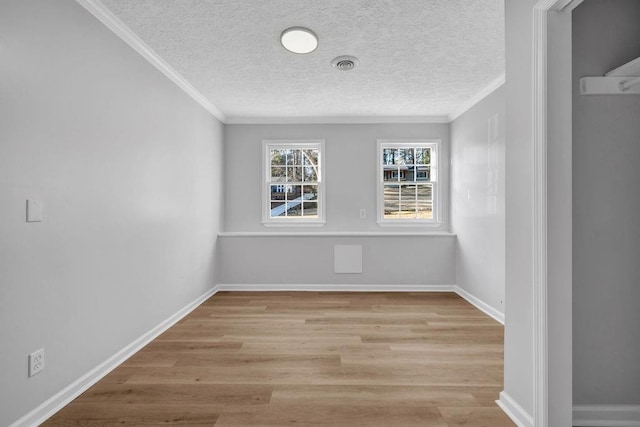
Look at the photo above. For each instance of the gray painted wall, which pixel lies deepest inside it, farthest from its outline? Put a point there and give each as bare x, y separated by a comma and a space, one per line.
606, 202
129, 170
406, 260
350, 170
477, 198
350, 183
518, 354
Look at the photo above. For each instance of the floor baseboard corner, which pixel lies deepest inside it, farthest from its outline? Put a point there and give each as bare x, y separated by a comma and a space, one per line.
517, 414
480, 305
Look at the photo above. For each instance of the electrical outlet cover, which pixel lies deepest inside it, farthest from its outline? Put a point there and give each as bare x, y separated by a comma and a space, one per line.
36, 362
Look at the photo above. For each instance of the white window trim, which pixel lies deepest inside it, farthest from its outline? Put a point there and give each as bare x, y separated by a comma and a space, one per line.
437, 197
267, 146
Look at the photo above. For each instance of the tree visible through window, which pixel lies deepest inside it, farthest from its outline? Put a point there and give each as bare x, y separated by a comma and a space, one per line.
408, 181
293, 181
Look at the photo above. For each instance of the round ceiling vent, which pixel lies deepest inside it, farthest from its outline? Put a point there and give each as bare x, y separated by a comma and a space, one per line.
345, 63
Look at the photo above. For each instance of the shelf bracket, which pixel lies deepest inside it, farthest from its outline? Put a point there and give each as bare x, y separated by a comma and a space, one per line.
624, 80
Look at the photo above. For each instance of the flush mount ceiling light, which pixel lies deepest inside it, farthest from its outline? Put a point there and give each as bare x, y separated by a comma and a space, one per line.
299, 40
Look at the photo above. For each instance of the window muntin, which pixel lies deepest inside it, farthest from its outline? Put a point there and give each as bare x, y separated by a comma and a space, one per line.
407, 181
293, 183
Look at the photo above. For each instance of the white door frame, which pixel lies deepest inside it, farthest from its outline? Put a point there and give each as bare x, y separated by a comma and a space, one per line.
541, 212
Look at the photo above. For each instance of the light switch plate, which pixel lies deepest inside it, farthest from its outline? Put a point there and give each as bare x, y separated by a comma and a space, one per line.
34, 210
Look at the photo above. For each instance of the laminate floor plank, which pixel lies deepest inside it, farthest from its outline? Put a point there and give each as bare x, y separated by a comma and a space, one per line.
309, 358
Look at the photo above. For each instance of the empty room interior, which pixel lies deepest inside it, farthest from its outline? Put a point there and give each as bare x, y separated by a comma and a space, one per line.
363, 212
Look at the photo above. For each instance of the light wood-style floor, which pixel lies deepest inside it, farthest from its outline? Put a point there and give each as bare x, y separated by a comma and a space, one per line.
309, 358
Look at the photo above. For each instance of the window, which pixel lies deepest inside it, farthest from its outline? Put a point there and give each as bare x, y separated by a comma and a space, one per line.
407, 182
293, 192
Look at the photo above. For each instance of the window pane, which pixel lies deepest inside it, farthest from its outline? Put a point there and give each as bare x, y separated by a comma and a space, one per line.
293, 187
423, 156
409, 168
294, 157
425, 201
391, 209
294, 192
391, 192
294, 209
408, 209
277, 209
310, 209
391, 173
423, 173
310, 174
388, 155
278, 174
404, 156
408, 192
391, 201
278, 157
294, 174
310, 192
278, 192
310, 157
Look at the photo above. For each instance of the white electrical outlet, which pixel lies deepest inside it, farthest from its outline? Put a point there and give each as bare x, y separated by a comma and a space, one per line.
363, 213
36, 362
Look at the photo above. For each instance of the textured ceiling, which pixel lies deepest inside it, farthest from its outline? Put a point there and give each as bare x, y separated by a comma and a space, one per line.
417, 57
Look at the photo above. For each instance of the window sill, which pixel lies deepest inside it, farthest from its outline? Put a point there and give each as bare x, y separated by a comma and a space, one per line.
296, 224
336, 234
416, 224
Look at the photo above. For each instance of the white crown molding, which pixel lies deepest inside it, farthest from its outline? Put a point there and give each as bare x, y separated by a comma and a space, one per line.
332, 287
336, 120
336, 234
105, 16
47, 409
488, 90
480, 305
517, 414
606, 415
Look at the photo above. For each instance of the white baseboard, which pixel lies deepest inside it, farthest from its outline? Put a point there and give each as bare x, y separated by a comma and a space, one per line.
606, 415
331, 287
47, 409
480, 305
514, 410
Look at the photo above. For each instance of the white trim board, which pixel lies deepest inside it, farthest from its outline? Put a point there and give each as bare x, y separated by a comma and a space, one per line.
606, 415
517, 414
337, 234
540, 250
112, 22
332, 287
76, 388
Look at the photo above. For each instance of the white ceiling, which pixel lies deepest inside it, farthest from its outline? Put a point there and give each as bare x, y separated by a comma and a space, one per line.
418, 58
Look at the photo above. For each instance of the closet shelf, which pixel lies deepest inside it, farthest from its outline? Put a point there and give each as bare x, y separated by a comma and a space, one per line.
624, 80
